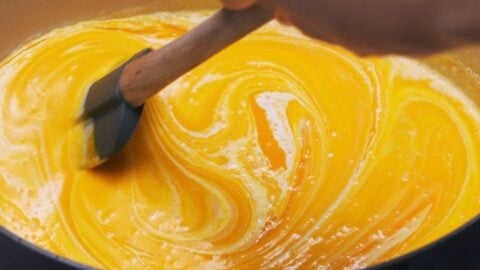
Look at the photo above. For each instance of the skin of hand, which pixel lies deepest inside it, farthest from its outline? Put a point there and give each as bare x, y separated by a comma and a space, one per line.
367, 27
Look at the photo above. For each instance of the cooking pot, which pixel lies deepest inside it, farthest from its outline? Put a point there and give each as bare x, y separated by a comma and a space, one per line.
22, 20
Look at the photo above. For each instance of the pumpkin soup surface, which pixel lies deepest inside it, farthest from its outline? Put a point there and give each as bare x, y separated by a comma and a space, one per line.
280, 151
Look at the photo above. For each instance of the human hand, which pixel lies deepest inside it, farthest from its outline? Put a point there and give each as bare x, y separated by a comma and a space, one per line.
237, 4
380, 26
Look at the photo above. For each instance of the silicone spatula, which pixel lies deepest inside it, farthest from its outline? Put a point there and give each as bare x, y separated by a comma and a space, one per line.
113, 104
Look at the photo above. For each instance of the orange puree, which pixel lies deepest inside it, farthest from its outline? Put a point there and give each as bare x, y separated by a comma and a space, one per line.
279, 152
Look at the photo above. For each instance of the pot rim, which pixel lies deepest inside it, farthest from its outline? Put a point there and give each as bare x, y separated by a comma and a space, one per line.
383, 265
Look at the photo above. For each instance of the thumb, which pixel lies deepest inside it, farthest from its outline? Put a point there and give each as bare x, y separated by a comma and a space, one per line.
237, 4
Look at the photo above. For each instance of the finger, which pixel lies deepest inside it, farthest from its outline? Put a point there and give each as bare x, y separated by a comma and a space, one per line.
237, 4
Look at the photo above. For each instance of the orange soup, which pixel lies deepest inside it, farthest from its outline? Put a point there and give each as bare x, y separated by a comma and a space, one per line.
279, 152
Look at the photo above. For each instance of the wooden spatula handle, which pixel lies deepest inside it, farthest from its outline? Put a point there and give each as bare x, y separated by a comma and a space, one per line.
147, 75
